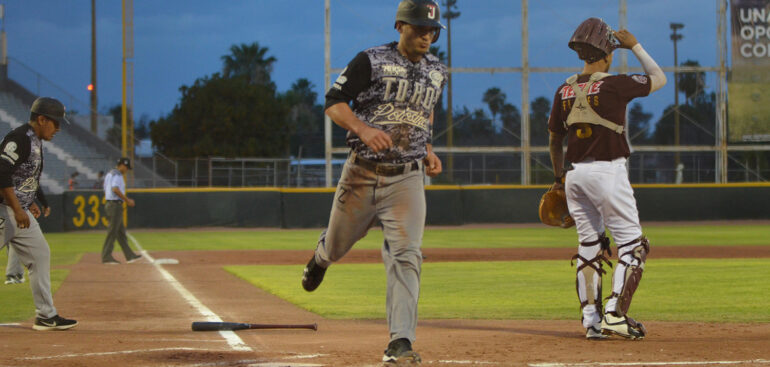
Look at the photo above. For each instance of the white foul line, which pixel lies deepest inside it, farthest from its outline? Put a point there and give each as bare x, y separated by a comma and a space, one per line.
680, 363
283, 364
464, 362
305, 356
252, 363
112, 353
232, 339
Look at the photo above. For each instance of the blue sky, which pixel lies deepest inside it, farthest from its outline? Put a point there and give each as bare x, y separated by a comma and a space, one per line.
179, 41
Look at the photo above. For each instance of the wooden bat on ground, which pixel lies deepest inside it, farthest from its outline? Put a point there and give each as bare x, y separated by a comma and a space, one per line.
217, 326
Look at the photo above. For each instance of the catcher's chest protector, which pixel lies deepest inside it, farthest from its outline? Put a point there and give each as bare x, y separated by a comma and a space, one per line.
582, 112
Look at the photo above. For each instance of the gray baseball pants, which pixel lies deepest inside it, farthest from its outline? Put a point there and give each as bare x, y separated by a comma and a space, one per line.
14, 264
33, 252
398, 202
115, 231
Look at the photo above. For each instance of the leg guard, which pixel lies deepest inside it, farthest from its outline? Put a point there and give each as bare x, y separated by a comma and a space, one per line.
631, 259
589, 278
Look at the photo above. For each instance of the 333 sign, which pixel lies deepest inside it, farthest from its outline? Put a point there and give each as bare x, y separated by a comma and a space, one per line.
88, 212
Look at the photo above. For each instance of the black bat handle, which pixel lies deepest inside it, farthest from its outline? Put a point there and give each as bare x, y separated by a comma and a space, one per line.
217, 326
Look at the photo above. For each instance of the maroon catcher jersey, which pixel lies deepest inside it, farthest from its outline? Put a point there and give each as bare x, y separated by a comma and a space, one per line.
608, 97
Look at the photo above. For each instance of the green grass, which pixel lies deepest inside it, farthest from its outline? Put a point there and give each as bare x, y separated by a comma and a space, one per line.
16, 299
734, 290
518, 279
66, 249
540, 236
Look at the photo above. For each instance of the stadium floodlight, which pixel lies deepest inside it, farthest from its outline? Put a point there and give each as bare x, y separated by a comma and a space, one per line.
676, 37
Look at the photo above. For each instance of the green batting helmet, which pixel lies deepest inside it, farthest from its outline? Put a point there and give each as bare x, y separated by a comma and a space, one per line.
421, 13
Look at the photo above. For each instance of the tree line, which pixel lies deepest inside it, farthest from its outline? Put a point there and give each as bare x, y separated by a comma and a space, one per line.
238, 112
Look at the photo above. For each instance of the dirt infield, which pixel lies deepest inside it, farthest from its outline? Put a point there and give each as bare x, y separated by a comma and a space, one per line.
131, 315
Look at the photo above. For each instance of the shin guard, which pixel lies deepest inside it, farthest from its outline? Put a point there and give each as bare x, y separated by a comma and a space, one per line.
631, 259
589, 276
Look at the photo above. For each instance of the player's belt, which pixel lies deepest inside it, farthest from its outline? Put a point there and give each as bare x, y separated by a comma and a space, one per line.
385, 169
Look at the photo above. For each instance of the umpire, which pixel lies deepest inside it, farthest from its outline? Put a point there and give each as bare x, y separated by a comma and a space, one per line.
21, 164
115, 196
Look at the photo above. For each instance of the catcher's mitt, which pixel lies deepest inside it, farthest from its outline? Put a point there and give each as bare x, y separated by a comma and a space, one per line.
553, 209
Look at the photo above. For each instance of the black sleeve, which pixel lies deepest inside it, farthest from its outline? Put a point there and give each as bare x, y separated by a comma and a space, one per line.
13, 151
41, 197
354, 79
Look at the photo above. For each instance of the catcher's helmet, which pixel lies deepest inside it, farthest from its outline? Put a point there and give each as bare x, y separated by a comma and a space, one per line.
593, 40
420, 12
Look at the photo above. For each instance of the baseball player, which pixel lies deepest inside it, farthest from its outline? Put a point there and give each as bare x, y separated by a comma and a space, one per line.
21, 163
14, 272
394, 88
590, 109
115, 195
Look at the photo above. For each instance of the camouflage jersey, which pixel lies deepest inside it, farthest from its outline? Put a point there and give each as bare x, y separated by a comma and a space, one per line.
393, 94
21, 163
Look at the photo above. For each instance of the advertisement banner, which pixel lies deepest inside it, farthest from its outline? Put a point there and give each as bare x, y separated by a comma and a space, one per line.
749, 77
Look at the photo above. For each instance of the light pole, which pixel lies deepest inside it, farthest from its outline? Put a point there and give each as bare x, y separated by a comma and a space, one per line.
94, 103
450, 14
676, 37
3, 46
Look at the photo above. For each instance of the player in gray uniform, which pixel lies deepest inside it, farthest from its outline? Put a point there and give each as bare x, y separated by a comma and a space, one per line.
21, 163
394, 88
14, 271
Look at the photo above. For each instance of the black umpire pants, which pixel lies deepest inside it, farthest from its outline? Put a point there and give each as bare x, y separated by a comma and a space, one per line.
115, 231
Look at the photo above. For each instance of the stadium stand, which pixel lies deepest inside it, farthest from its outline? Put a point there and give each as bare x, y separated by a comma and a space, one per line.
74, 149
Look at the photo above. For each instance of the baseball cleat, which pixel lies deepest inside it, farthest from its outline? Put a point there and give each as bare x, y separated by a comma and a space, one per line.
14, 279
595, 333
54, 323
111, 262
313, 275
623, 326
400, 352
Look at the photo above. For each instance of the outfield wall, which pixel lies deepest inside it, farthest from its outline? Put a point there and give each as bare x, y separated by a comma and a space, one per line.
447, 205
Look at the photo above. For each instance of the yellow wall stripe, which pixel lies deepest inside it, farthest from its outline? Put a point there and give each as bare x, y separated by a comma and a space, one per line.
178, 190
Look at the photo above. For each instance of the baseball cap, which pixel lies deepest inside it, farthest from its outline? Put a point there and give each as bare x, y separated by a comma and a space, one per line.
49, 107
125, 161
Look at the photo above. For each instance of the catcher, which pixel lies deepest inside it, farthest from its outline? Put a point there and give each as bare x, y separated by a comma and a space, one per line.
589, 109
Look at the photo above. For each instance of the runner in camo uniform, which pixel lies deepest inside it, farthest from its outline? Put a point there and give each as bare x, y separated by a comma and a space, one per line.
394, 88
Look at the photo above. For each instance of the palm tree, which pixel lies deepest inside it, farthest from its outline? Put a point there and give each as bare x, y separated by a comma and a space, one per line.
303, 91
691, 84
495, 99
250, 61
540, 108
301, 99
